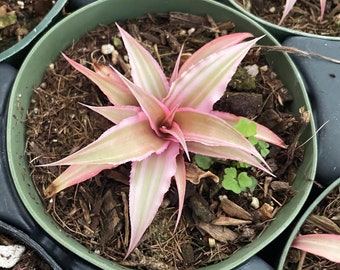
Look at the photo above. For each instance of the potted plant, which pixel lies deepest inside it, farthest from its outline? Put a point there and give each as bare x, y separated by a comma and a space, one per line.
104, 12
15, 53
316, 232
278, 26
19, 250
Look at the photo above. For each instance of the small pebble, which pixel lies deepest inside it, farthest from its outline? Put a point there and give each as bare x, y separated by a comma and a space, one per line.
255, 203
21, 4
10, 255
191, 30
252, 70
107, 49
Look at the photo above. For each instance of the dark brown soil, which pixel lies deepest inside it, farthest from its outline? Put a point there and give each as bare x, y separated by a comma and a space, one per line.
96, 211
324, 219
28, 14
303, 17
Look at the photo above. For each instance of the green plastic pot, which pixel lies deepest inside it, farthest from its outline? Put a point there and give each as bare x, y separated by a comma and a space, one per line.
108, 11
17, 52
302, 220
280, 32
24, 239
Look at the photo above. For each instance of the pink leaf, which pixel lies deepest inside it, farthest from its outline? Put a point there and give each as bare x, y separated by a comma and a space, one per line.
175, 72
210, 130
155, 110
262, 133
180, 178
205, 82
225, 153
119, 144
324, 245
109, 73
145, 71
322, 6
75, 174
218, 44
116, 93
288, 7
178, 135
115, 113
150, 180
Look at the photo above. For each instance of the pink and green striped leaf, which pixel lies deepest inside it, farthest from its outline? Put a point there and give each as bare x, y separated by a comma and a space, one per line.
150, 179
226, 153
216, 45
193, 88
116, 93
119, 144
262, 133
145, 71
324, 245
115, 113
212, 131
73, 175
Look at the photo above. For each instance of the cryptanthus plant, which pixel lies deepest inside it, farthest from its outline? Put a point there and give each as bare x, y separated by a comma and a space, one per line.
290, 4
158, 122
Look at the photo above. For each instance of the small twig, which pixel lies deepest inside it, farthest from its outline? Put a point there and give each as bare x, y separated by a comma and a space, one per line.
293, 50
316, 132
335, 11
302, 260
126, 218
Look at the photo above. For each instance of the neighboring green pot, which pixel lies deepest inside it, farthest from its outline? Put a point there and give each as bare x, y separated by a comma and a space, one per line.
16, 53
280, 32
77, 24
302, 220
22, 238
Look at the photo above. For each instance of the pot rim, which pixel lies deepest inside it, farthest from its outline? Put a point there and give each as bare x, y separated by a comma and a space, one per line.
302, 220
277, 30
9, 53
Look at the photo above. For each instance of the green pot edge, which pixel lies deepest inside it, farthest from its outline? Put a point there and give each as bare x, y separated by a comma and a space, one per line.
303, 218
16, 115
278, 31
8, 54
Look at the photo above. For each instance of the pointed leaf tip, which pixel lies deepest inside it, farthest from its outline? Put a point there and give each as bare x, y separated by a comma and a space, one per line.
145, 71
150, 179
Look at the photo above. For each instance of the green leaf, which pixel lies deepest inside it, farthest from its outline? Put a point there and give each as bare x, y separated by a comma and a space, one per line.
231, 184
246, 128
244, 180
230, 173
264, 152
253, 140
204, 162
240, 164
253, 185
263, 148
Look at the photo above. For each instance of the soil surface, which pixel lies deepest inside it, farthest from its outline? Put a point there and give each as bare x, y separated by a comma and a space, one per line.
95, 212
324, 219
303, 17
18, 18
